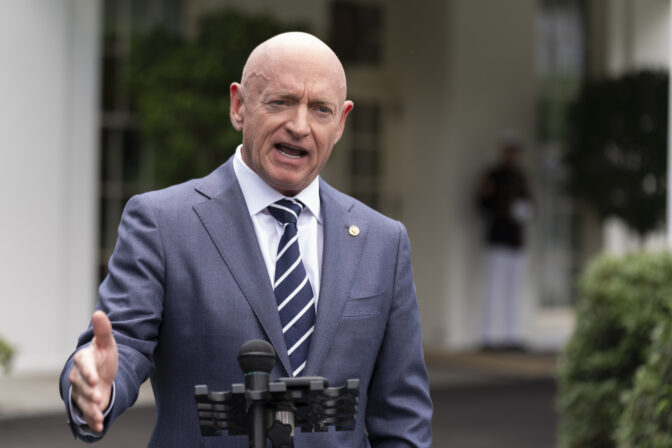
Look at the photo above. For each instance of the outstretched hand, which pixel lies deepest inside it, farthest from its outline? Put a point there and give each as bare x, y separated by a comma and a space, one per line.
93, 372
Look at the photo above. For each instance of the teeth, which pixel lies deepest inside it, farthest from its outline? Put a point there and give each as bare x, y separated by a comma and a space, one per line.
291, 156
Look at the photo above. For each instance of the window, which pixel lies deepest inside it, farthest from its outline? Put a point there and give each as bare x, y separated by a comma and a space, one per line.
124, 167
365, 155
561, 58
356, 32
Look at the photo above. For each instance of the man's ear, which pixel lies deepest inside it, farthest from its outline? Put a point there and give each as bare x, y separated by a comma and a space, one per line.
237, 107
347, 107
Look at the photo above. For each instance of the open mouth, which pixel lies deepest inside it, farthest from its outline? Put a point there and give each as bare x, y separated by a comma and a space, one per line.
290, 151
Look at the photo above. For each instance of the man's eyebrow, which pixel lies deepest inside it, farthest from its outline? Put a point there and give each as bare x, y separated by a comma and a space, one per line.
322, 101
292, 96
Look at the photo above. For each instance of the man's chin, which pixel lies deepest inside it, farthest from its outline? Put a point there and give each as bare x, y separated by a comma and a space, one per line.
289, 187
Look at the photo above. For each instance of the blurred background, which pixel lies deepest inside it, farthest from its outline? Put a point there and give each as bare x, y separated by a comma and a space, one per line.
103, 99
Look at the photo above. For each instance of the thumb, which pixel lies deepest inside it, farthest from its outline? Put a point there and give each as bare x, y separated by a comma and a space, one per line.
102, 330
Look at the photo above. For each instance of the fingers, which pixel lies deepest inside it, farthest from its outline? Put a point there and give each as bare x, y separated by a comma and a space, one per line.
91, 414
93, 371
81, 388
85, 379
89, 396
85, 366
82, 396
102, 330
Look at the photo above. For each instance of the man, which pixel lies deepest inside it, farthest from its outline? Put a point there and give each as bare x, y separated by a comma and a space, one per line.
504, 199
195, 275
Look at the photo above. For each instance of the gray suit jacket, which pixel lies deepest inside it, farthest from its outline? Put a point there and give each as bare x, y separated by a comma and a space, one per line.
188, 286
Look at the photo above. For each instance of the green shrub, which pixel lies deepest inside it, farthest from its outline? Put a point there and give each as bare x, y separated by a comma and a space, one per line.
6, 355
622, 301
646, 421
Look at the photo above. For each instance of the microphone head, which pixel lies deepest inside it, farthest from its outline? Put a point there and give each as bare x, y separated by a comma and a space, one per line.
256, 356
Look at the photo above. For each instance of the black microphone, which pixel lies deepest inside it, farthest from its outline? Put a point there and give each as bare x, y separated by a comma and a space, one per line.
257, 358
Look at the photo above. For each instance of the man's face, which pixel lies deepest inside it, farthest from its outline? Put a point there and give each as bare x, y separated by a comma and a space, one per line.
291, 111
510, 155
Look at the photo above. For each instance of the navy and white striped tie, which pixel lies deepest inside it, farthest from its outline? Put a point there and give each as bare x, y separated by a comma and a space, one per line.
294, 295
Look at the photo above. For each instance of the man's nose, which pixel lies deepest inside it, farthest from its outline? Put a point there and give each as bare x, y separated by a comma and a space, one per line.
298, 124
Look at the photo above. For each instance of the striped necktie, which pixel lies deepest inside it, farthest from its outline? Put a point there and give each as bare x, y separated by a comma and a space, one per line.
294, 295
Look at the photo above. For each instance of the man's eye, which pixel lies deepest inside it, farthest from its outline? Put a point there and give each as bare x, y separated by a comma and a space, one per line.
278, 102
324, 109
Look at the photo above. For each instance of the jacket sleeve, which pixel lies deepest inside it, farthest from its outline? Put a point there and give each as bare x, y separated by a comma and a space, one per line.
399, 408
132, 297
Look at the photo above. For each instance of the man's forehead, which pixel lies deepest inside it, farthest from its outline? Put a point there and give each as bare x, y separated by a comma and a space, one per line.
292, 81
298, 57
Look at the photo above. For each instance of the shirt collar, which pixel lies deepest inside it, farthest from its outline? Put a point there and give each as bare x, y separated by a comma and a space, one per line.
259, 195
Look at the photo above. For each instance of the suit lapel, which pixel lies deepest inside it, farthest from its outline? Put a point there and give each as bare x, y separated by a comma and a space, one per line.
340, 260
227, 221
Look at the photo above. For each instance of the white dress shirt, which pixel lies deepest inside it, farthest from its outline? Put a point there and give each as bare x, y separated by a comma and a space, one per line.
258, 196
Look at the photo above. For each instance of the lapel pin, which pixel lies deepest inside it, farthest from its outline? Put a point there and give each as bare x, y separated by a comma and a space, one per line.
353, 230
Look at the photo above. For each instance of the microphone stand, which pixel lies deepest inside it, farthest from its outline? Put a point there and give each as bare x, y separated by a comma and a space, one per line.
256, 359
263, 409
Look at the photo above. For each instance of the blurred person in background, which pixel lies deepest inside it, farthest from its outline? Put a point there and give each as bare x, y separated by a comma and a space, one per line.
202, 267
505, 204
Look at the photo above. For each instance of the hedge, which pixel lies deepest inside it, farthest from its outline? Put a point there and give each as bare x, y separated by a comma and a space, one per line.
622, 301
646, 421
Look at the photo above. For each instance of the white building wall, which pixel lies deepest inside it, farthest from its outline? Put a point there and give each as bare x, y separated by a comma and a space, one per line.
418, 58
652, 33
48, 175
637, 35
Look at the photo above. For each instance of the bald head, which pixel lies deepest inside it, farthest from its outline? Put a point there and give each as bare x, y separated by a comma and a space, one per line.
293, 50
291, 108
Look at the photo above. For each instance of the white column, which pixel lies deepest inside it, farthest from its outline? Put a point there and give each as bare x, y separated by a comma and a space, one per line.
48, 175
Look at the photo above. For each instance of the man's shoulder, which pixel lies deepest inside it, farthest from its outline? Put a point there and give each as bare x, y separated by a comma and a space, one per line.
207, 186
188, 193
